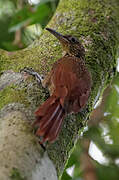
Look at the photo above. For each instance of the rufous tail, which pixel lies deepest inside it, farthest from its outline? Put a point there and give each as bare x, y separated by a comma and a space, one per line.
49, 119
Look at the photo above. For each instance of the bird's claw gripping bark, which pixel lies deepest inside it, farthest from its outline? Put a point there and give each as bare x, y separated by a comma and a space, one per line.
30, 71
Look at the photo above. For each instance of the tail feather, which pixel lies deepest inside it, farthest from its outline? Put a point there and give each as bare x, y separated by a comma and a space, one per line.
49, 119
44, 121
42, 124
42, 110
55, 125
57, 131
56, 128
59, 125
46, 125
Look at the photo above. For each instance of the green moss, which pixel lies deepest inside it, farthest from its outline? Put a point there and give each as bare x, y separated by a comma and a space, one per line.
15, 175
4, 61
12, 94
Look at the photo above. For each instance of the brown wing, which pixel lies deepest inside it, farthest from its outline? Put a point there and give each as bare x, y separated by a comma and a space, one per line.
72, 83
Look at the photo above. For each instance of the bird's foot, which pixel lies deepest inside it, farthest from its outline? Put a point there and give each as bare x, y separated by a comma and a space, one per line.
42, 145
30, 71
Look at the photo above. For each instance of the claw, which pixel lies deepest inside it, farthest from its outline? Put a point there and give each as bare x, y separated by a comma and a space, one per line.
30, 71
42, 145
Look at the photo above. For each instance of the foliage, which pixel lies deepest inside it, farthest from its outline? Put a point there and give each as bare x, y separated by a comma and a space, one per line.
14, 19
31, 14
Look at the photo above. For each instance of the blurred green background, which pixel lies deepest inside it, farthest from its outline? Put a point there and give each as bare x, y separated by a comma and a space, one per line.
96, 154
22, 21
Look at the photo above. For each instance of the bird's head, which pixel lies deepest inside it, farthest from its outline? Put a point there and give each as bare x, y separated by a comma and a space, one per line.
71, 45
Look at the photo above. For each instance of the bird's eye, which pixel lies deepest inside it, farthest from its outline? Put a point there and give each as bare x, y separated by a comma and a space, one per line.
73, 39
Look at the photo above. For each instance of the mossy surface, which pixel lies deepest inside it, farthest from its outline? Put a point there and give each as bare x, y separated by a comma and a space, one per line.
15, 175
96, 24
10, 94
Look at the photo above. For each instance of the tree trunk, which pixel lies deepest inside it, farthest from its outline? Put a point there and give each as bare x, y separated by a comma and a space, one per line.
95, 23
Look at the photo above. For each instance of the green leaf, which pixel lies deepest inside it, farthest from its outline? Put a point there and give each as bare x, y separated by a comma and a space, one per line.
110, 172
40, 13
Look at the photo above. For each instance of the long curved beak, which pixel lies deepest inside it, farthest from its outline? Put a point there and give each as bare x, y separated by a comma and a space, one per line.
59, 36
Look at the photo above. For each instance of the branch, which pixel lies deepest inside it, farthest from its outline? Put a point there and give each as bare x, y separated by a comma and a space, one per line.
96, 24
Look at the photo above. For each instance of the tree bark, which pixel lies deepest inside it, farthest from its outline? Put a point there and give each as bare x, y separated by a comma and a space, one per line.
95, 23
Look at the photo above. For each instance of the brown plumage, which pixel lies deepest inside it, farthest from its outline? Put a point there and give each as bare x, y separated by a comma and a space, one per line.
69, 83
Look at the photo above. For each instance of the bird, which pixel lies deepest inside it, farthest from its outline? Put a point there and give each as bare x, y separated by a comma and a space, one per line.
69, 83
